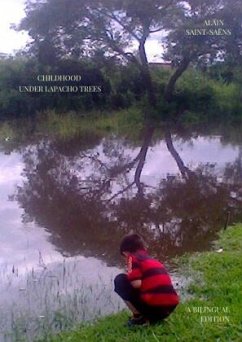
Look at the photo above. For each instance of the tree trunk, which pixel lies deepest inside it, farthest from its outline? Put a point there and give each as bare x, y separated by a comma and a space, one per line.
185, 171
149, 131
172, 81
146, 75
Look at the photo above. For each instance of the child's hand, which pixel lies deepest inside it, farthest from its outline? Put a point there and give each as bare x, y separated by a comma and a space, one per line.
136, 283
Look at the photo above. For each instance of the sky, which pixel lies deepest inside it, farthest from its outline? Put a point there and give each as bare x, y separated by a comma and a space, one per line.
12, 11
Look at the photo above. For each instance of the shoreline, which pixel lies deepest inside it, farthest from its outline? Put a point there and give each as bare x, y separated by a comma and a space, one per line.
212, 313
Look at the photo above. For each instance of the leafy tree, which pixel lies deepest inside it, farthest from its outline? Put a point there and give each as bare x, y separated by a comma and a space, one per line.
77, 28
208, 31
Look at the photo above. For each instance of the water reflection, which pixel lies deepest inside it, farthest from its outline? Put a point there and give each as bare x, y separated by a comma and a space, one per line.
89, 197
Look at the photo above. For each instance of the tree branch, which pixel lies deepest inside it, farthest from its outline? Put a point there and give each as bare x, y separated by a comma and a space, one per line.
157, 30
112, 16
120, 192
127, 55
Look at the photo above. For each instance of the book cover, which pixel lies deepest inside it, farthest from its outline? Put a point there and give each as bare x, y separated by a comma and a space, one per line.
119, 117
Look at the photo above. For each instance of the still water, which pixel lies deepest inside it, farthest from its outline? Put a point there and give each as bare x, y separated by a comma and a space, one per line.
65, 205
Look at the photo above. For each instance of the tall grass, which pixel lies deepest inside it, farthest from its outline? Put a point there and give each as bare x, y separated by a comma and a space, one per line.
128, 122
70, 124
51, 299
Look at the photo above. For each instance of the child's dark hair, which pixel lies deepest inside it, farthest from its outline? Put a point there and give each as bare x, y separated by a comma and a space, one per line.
132, 243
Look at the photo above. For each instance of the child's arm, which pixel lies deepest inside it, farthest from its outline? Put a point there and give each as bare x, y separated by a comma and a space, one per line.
134, 273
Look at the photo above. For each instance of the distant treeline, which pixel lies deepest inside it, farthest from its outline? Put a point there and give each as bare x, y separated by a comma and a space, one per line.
27, 87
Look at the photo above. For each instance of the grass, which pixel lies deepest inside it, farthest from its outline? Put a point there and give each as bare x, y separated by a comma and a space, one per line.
65, 126
51, 298
213, 312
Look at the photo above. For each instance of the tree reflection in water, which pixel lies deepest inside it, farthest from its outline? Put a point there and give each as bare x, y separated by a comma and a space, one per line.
89, 198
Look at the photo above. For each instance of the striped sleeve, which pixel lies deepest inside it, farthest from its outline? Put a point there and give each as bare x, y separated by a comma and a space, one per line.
134, 272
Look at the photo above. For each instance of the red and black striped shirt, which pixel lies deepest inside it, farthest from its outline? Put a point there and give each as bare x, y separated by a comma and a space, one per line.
156, 285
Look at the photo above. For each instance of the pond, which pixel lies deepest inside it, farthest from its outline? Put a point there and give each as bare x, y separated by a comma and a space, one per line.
66, 203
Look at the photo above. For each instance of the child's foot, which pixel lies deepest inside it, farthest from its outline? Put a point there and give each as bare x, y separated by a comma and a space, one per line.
137, 320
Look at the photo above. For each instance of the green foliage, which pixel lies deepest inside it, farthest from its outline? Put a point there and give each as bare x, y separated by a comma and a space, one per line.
106, 30
204, 99
216, 285
121, 87
17, 72
126, 121
228, 99
193, 36
69, 125
127, 86
198, 97
59, 28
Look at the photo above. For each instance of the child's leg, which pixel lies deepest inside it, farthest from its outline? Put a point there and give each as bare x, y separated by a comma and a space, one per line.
156, 314
126, 291
132, 308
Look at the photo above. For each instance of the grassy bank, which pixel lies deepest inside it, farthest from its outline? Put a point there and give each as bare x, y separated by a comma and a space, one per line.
213, 312
66, 126
128, 123
71, 124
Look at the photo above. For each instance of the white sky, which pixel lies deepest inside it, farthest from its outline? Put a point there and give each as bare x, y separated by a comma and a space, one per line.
12, 11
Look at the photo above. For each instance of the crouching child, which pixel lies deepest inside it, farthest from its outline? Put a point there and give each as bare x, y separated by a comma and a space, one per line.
146, 288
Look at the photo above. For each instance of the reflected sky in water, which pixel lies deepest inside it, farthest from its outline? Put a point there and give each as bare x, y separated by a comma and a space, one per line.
20, 242
201, 150
110, 165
